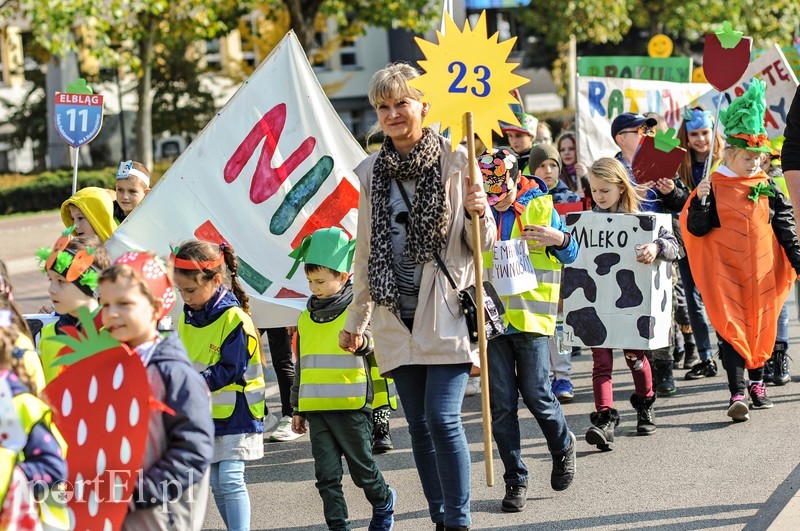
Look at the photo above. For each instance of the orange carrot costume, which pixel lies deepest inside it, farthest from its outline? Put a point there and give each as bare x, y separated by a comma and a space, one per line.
740, 268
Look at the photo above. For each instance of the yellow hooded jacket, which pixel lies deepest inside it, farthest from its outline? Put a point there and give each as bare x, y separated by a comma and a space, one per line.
98, 207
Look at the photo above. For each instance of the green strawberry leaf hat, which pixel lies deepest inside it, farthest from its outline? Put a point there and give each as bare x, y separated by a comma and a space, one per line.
330, 247
743, 119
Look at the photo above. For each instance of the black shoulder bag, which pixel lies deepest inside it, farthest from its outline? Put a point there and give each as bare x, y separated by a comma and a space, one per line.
493, 308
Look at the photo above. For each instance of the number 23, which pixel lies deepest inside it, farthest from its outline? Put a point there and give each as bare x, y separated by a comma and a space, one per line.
460, 69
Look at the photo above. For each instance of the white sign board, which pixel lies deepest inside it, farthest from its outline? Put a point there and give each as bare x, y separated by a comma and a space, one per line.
610, 299
274, 165
512, 272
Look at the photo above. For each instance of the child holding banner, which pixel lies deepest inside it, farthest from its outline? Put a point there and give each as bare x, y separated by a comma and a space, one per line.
743, 248
333, 390
525, 269
613, 193
224, 346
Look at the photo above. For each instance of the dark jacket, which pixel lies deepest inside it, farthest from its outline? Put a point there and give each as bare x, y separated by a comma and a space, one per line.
701, 219
790, 154
188, 433
233, 360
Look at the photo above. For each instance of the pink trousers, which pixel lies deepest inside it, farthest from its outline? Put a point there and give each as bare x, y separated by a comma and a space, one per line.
601, 376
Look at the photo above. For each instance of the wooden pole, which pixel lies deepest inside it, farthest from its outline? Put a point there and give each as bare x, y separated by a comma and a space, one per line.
477, 257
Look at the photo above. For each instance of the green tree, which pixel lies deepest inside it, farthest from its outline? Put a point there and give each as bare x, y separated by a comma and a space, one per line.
120, 32
353, 16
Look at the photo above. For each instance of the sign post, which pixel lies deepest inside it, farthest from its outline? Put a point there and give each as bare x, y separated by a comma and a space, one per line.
78, 119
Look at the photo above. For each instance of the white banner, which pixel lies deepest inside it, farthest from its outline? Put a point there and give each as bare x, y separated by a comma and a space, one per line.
512, 271
273, 165
601, 99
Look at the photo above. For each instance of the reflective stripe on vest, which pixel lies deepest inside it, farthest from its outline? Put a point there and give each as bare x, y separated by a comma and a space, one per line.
383, 390
331, 379
534, 311
203, 345
31, 411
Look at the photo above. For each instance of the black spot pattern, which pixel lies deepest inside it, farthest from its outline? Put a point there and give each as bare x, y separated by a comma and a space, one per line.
587, 325
657, 279
664, 302
630, 294
669, 271
574, 278
647, 222
605, 262
572, 218
646, 325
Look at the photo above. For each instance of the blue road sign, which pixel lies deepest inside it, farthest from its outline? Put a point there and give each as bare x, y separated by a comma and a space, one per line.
78, 117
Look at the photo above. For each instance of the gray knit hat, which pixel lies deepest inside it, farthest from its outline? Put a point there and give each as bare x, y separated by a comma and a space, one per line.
542, 152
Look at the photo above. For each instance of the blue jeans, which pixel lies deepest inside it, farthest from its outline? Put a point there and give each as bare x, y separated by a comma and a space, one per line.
694, 303
431, 396
520, 363
783, 323
230, 494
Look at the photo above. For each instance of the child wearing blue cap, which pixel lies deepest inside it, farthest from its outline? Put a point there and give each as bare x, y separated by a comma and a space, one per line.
332, 392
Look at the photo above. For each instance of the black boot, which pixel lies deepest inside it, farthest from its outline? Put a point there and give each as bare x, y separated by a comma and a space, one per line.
769, 369
601, 434
665, 382
677, 356
381, 439
780, 362
645, 416
690, 357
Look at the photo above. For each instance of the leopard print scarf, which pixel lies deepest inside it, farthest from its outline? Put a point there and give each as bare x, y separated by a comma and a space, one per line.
427, 220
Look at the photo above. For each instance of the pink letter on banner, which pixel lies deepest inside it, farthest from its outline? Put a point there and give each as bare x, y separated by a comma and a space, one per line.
266, 179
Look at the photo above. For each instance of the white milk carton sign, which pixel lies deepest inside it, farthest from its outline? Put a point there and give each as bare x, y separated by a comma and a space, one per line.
610, 299
512, 271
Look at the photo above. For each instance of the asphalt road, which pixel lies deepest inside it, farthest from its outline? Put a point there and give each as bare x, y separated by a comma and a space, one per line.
698, 471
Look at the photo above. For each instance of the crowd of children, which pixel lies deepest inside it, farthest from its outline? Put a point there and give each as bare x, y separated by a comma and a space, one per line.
209, 377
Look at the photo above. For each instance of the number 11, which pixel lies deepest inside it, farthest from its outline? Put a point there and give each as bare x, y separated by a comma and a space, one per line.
84, 114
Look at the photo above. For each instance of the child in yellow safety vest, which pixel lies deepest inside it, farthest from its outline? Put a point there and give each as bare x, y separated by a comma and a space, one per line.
224, 346
32, 466
332, 391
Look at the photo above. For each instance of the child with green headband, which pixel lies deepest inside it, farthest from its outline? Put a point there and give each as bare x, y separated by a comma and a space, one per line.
741, 240
332, 392
72, 267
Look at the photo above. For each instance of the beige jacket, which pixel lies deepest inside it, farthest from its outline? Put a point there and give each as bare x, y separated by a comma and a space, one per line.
440, 330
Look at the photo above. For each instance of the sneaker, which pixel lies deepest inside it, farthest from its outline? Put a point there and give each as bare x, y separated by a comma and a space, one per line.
270, 423
563, 466
284, 432
758, 395
473, 386
563, 390
738, 410
383, 517
515, 499
703, 369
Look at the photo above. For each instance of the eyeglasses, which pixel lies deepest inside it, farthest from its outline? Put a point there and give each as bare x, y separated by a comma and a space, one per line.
636, 131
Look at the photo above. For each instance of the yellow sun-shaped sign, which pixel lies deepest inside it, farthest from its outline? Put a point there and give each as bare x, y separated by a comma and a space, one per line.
467, 71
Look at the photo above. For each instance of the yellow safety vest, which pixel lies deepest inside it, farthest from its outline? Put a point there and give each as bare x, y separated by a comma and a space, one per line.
534, 311
383, 390
31, 411
331, 379
48, 352
203, 345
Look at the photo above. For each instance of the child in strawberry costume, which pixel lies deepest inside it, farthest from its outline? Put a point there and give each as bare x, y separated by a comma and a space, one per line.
743, 250
172, 487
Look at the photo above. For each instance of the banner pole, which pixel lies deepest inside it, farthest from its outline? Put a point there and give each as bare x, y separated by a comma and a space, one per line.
75, 171
710, 158
477, 257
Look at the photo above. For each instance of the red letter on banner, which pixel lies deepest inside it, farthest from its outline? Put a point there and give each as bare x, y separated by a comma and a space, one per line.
331, 211
266, 179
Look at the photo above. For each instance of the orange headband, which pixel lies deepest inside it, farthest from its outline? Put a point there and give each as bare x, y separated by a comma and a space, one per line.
182, 263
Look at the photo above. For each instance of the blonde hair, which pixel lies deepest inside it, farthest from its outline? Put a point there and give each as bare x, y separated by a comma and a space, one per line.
730, 152
685, 169
8, 337
614, 173
392, 82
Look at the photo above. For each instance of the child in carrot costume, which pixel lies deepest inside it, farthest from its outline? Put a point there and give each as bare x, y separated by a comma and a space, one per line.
743, 250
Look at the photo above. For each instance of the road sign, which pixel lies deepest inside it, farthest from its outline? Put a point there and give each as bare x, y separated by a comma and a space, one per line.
78, 117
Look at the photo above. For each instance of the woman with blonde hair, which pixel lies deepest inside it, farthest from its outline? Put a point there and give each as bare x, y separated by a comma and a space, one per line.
416, 209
